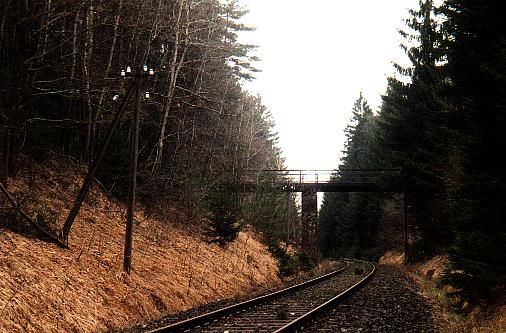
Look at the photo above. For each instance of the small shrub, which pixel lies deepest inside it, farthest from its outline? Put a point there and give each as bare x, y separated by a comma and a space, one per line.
224, 223
305, 262
291, 264
287, 264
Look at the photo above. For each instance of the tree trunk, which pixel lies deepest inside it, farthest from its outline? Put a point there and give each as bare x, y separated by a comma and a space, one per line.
4, 156
2, 24
88, 50
111, 56
37, 227
174, 69
74, 44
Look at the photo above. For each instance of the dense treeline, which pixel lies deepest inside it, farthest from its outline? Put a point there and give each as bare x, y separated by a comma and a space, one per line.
347, 220
61, 84
442, 121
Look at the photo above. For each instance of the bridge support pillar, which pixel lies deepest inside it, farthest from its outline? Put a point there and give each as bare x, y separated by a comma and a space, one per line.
309, 220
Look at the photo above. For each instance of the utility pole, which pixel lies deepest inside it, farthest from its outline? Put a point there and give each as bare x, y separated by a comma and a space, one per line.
132, 183
134, 87
134, 154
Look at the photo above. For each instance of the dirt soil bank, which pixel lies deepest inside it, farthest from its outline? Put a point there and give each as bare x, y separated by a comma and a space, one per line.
44, 288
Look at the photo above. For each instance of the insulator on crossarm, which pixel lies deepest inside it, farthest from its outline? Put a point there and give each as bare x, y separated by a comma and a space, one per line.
147, 95
129, 69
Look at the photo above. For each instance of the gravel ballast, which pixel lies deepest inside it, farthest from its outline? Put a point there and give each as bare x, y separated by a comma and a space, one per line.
390, 302
170, 319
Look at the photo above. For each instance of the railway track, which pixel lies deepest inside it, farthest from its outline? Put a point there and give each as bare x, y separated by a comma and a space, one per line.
287, 310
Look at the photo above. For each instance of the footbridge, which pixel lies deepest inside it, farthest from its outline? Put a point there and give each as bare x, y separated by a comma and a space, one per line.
338, 180
310, 182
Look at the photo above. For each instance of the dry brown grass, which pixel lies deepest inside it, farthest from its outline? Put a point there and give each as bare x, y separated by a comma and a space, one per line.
392, 258
44, 288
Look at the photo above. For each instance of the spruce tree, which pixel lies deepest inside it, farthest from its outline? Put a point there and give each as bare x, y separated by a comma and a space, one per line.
347, 220
224, 224
412, 131
475, 44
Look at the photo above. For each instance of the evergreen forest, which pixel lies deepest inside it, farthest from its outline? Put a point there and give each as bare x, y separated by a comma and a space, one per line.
69, 68
442, 122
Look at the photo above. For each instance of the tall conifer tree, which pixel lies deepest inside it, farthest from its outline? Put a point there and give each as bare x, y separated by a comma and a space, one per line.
476, 47
347, 220
412, 130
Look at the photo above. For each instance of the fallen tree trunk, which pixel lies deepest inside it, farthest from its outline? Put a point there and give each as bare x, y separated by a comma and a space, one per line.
48, 234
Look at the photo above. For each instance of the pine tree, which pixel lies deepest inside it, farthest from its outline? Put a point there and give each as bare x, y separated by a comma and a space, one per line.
225, 222
412, 131
475, 34
347, 220
358, 135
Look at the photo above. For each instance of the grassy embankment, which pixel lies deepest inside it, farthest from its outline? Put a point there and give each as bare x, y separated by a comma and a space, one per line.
44, 288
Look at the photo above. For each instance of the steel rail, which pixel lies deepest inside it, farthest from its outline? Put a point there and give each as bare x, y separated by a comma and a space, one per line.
298, 323
235, 308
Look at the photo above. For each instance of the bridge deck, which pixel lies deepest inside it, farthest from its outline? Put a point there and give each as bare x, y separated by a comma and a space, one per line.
320, 181
314, 187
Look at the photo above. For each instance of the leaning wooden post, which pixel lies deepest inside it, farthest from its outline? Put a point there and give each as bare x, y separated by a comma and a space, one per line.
91, 172
132, 184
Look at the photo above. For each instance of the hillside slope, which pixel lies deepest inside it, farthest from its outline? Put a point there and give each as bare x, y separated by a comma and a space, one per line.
44, 288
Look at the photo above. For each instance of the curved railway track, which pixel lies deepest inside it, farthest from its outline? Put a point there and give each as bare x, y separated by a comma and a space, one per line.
287, 310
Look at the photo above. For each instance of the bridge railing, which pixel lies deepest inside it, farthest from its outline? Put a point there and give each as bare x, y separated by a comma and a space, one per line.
322, 176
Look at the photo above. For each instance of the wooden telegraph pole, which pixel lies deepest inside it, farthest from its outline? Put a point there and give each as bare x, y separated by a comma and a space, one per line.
133, 88
132, 184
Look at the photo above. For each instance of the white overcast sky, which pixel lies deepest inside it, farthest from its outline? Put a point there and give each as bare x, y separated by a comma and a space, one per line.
316, 58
